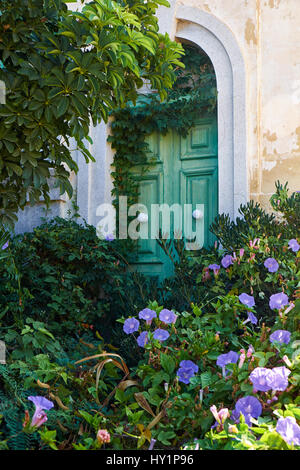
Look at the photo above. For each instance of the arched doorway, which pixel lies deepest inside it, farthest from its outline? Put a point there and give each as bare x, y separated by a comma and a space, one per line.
179, 193
219, 43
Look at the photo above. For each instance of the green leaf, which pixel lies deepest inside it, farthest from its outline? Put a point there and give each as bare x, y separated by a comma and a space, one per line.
206, 379
62, 106
165, 436
46, 332
168, 363
274, 440
49, 438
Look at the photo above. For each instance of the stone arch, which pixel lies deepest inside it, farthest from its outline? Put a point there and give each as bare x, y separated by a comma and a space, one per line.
215, 38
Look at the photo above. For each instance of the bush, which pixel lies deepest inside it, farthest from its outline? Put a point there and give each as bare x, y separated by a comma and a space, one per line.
232, 348
183, 377
259, 235
64, 278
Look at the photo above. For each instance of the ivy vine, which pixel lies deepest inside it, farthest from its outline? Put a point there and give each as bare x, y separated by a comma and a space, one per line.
194, 93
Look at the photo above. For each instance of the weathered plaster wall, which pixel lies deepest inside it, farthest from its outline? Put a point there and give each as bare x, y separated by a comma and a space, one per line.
268, 34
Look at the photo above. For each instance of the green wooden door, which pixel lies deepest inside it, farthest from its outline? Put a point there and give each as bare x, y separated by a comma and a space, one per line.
185, 173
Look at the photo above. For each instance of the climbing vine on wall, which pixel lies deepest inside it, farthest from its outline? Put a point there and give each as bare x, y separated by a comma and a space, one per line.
193, 94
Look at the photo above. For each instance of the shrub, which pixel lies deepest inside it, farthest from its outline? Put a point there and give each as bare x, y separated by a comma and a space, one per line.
61, 277
259, 235
221, 373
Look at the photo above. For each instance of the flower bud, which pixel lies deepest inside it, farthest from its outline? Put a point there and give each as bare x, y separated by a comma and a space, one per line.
152, 442
26, 419
250, 351
287, 361
232, 428
242, 359
103, 436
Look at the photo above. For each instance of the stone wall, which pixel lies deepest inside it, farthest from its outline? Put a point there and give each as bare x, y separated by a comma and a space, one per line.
268, 35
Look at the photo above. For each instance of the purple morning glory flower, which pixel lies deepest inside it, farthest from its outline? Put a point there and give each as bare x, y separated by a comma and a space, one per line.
294, 245
41, 404
278, 380
167, 316
271, 265
249, 406
282, 336
289, 430
184, 375
143, 339
147, 314
187, 364
226, 261
187, 370
247, 300
161, 335
277, 301
252, 318
215, 268
230, 358
152, 442
109, 237
5, 246
259, 376
131, 325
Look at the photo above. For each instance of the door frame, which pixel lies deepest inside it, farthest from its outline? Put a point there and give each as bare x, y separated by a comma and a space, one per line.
191, 24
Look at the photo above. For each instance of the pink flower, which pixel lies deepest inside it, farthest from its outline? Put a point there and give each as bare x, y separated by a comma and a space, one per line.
253, 243
242, 358
290, 307
103, 436
250, 351
224, 414
220, 416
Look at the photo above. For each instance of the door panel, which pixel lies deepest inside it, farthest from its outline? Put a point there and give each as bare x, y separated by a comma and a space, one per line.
201, 141
184, 171
198, 189
151, 189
